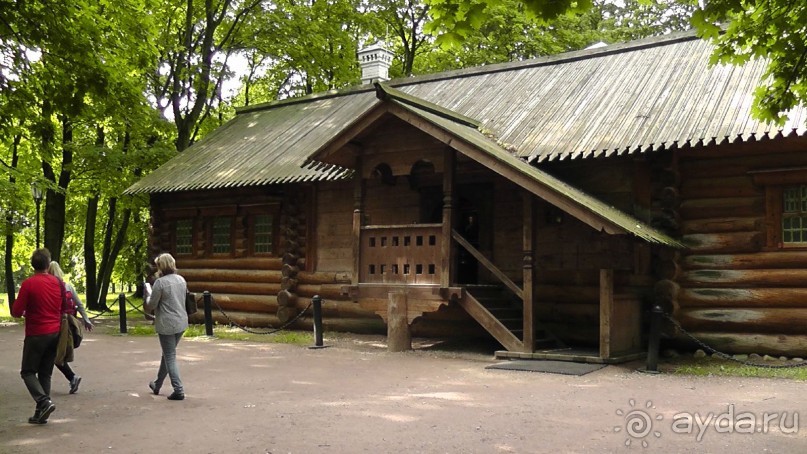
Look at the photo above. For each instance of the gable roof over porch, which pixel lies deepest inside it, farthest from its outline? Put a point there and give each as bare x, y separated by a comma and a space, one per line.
464, 135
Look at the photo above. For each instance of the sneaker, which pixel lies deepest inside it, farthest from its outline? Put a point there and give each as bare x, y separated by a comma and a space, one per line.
176, 396
42, 412
74, 384
153, 387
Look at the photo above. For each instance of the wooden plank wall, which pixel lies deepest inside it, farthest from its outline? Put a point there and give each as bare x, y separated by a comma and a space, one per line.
736, 294
570, 254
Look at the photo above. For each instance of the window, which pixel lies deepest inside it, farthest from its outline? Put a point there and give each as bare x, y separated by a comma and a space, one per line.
184, 236
785, 223
223, 231
222, 235
264, 234
794, 214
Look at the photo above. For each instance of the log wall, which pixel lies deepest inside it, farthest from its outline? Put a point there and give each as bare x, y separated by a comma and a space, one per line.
737, 293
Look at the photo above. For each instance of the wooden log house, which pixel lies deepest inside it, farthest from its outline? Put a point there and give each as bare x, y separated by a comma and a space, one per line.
546, 203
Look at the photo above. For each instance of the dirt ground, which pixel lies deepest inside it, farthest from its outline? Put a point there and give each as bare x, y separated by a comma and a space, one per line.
354, 397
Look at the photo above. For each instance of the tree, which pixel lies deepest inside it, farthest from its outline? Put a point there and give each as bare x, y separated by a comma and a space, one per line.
455, 20
771, 29
194, 45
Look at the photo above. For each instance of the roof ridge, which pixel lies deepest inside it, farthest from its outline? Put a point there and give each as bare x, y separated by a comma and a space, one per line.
565, 57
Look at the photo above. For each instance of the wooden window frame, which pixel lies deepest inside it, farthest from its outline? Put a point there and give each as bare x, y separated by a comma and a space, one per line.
173, 217
775, 181
175, 237
250, 213
211, 222
208, 215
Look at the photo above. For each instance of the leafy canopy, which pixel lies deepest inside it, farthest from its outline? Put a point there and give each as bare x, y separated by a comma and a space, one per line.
773, 29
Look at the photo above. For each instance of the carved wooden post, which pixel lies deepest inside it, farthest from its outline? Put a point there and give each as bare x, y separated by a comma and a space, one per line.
399, 338
529, 298
446, 259
358, 212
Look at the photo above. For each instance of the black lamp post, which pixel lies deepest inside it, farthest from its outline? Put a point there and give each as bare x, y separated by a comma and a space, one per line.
36, 191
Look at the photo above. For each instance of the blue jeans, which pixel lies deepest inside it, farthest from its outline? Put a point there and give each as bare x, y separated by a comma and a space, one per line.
38, 354
168, 362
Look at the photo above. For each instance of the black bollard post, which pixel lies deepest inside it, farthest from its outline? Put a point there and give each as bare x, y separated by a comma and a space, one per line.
654, 339
316, 302
208, 314
122, 306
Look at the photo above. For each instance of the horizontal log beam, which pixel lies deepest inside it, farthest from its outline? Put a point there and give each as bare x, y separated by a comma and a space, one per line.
744, 278
323, 278
732, 343
744, 321
711, 186
225, 275
260, 320
254, 263
722, 207
242, 303
240, 288
760, 260
742, 297
731, 242
722, 225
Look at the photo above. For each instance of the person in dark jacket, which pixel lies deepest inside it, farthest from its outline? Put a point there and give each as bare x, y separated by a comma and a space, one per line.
40, 302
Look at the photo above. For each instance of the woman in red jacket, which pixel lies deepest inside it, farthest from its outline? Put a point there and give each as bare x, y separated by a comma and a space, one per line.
40, 302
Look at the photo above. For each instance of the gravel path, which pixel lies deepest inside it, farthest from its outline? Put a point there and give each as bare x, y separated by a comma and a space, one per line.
354, 397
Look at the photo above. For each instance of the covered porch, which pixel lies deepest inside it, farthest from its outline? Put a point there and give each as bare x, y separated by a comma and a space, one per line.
403, 269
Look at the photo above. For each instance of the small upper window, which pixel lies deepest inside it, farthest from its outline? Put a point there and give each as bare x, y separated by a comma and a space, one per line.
222, 234
794, 214
184, 236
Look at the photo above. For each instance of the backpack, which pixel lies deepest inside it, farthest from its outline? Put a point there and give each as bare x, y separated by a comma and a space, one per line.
71, 306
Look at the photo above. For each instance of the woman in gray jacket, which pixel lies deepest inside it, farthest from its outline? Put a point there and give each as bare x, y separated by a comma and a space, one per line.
167, 300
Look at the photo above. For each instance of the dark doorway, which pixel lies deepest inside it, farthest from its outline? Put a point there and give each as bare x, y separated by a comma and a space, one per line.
475, 224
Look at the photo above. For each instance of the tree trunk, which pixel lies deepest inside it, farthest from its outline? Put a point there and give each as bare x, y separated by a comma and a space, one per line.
9, 267
90, 264
56, 202
108, 261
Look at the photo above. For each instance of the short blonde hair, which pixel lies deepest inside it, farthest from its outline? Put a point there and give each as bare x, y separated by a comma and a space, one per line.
166, 264
55, 270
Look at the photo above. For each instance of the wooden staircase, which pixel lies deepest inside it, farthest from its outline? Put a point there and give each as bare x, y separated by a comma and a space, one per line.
501, 314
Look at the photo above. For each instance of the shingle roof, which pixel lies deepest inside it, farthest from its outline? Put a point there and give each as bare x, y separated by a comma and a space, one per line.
630, 98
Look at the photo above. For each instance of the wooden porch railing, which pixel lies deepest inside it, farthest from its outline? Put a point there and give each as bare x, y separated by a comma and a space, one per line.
401, 254
488, 264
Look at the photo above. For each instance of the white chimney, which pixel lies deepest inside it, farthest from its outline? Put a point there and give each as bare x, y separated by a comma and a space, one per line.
375, 61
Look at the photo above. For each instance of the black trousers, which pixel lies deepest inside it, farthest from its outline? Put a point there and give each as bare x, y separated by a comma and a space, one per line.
38, 354
66, 370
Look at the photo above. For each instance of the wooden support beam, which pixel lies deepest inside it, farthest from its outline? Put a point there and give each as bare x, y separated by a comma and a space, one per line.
606, 312
488, 264
529, 296
358, 214
446, 259
399, 339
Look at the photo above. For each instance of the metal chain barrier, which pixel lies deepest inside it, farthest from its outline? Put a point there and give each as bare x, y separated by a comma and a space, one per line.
251, 331
230, 321
728, 357
137, 308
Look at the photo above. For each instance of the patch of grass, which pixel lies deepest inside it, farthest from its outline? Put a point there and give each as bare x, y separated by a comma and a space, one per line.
708, 367
281, 337
225, 332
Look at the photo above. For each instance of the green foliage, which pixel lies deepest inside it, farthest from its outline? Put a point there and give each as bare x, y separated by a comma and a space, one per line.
455, 20
772, 29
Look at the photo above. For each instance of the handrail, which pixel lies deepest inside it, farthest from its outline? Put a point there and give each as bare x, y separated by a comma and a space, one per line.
488, 264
